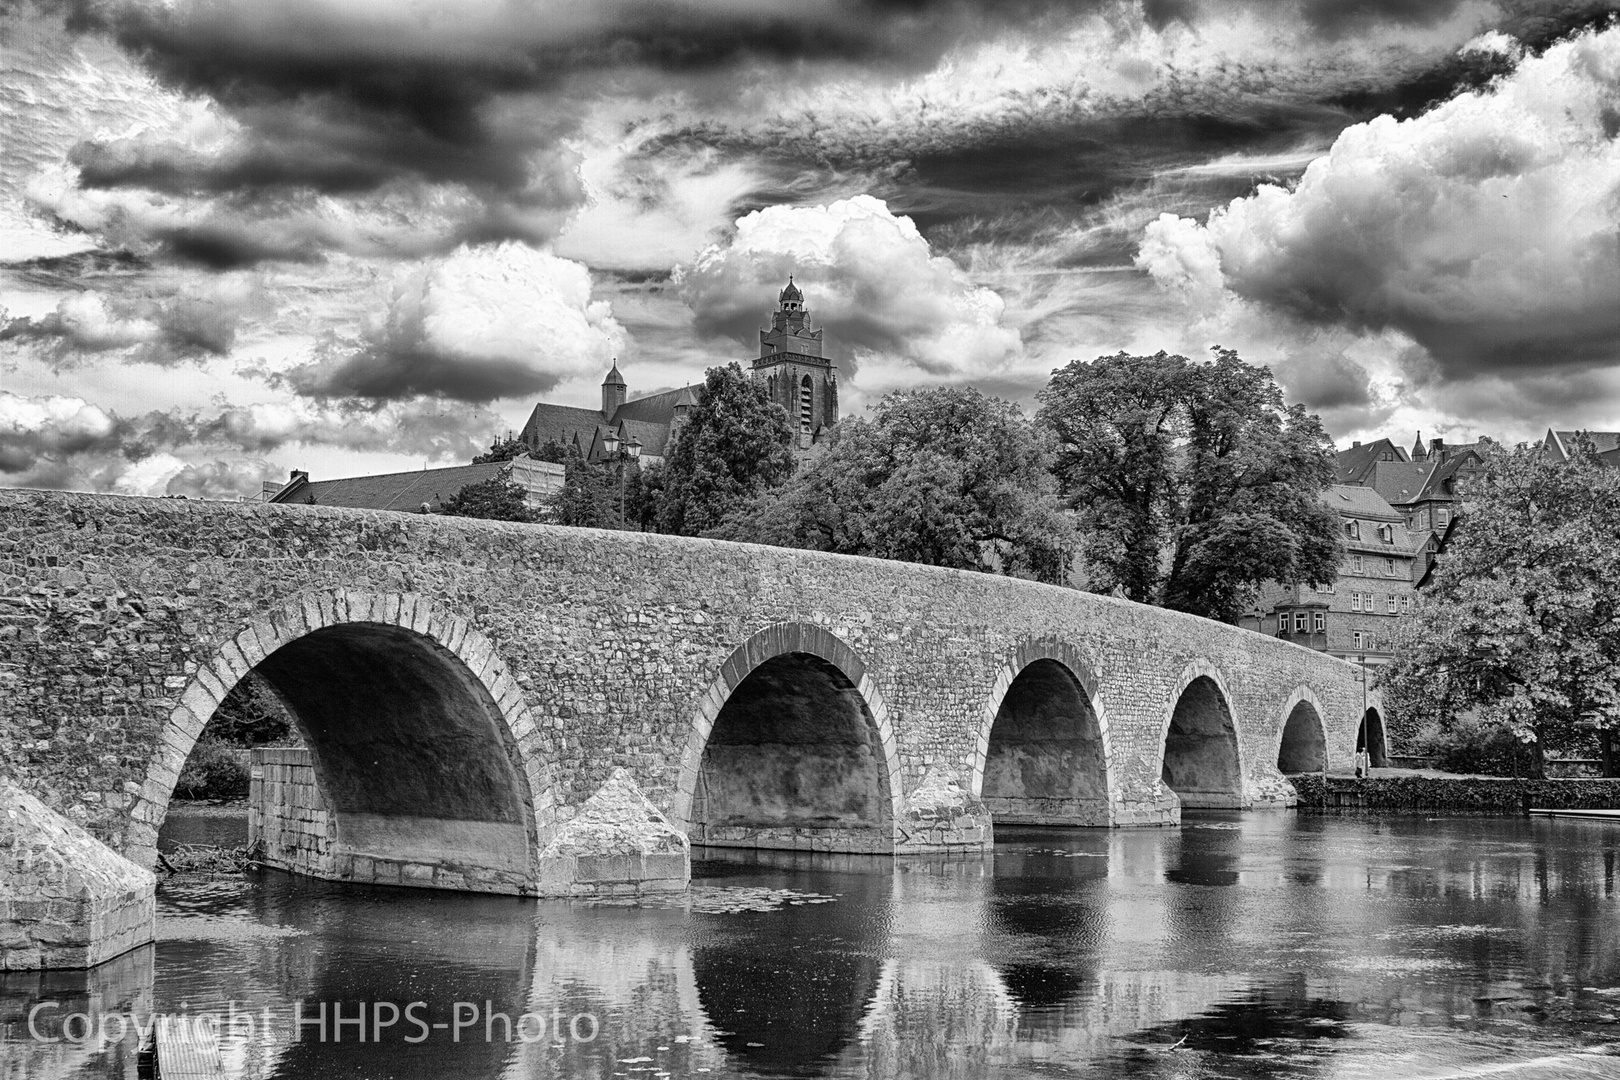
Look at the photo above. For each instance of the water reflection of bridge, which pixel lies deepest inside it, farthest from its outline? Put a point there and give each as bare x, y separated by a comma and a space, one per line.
1064, 946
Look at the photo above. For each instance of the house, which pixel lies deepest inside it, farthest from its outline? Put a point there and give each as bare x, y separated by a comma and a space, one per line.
1561, 444
1354, 616
420, 489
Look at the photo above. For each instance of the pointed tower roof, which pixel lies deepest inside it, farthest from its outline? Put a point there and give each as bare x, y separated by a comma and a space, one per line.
1418, 453
613, 377
791, 294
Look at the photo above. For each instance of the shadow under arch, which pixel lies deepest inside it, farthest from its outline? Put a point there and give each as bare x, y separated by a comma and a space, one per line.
1043, 755
423, 749
1201, 752
1302, 737
791, 749
1370, 736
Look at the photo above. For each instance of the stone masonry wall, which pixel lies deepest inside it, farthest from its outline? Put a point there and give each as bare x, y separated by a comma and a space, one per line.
66, 901
292, 827
122, 620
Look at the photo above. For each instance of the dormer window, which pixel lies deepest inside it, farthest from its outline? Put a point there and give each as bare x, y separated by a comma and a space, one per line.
1352, 529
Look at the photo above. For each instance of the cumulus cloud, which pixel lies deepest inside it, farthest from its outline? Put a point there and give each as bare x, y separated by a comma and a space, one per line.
1483, 230
887, 302
480, 324
192, 324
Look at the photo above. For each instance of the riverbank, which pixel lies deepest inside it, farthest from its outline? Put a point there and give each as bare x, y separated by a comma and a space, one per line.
1428, 792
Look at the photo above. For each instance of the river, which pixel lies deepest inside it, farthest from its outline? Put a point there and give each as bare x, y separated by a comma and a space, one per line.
1259, 945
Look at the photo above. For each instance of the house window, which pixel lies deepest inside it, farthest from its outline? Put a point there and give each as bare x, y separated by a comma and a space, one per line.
1328, 588
1319, 621
1355, 601
1299, 622
1441, 516
1356, 565
1352, 529
1386, 533
1389, 567
1394, 604
1406, 603
1358, 640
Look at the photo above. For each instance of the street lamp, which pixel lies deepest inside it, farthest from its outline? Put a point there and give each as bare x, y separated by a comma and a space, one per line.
630, 451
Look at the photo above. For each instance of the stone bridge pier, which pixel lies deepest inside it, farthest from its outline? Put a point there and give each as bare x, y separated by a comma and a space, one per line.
536, 710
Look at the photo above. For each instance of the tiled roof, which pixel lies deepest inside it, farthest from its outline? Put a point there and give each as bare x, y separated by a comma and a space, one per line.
1398, 482
559, 423
391, 491
1352, 501
1602, 441
655, 408
1351, 466
1446, 471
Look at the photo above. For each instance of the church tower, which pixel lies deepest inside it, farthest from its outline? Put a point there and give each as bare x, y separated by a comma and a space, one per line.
797, 376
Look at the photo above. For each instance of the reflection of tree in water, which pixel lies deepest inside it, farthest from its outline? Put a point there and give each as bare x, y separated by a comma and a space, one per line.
1271, 1030
786, 990
1047, 919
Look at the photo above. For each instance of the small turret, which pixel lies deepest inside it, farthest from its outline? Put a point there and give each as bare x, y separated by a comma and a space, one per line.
1418, 453
614, 391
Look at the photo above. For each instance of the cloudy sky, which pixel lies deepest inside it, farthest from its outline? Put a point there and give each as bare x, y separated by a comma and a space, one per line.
239, 237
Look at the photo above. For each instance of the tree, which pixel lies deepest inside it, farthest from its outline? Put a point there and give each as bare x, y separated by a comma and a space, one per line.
1521, 628
496, 498
944, 477
503, 450
593, 496
735, 444
1195, 483
506, 449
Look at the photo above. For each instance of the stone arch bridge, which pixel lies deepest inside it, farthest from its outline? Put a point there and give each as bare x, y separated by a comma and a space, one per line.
539, 710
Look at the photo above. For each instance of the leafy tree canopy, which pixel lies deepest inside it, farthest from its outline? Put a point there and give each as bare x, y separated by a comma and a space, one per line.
511, 447
1521, 626
735, 444
945, 477
602, 495
1195, 483
497, 498
502, 450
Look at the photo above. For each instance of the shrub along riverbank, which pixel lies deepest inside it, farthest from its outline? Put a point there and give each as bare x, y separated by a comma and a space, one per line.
1453, 794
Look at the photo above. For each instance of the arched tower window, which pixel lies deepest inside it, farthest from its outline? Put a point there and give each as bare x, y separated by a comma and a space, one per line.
807, 396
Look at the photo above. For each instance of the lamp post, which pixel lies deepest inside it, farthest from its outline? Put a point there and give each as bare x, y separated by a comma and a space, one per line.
621, 454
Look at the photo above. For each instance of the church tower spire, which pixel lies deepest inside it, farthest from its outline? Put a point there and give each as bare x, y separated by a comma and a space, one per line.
790, 362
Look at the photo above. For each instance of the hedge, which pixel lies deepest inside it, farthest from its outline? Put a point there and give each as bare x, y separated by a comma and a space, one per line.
1454, 794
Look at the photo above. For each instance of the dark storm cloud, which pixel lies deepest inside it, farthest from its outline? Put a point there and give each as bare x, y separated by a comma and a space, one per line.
1323, 383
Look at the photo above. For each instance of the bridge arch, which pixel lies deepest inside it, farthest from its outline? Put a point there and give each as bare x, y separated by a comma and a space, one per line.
792, 703
1200, 741
445, 773
1371, 735
1044, 754
1302, 736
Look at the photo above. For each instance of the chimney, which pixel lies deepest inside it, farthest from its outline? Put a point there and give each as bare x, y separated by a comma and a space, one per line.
1355, 444
297, 475
1437, 450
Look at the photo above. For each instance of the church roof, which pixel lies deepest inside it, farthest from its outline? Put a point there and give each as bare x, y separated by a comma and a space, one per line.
791, 293
613, 377
559, 423
654, 408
